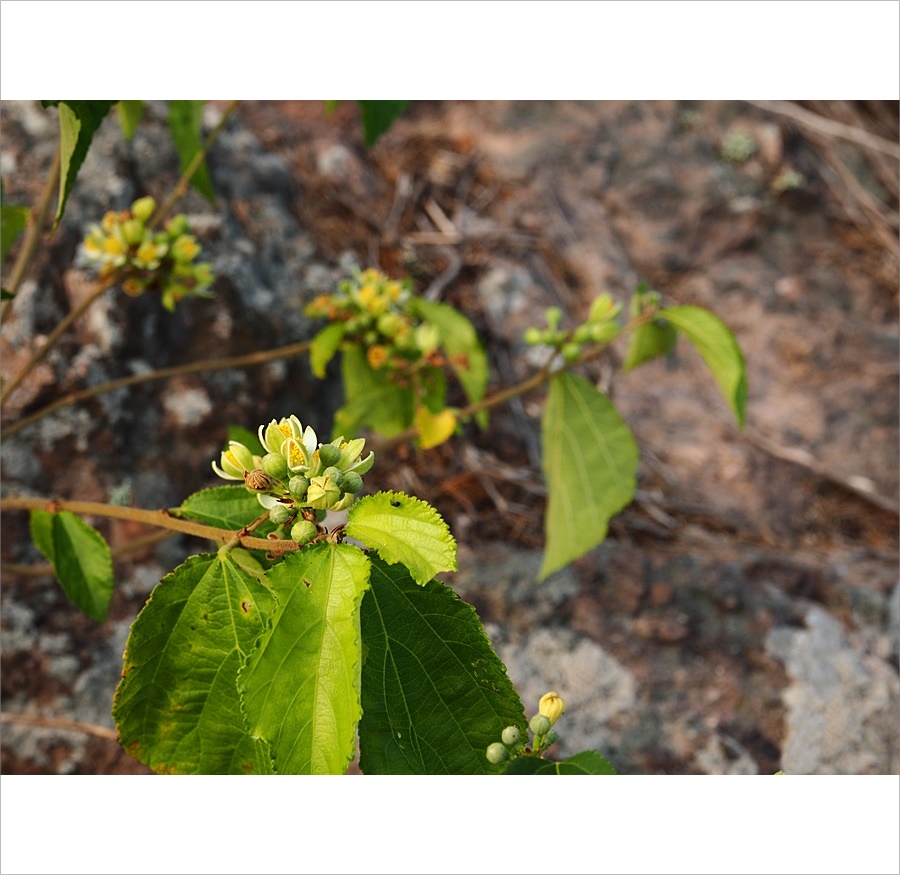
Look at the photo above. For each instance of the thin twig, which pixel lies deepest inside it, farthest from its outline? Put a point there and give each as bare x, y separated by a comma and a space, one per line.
36, 219
828, 126
60, 723
253, 358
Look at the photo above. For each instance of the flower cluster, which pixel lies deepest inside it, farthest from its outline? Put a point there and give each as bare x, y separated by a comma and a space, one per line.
550, 708
378, 313
297, 476
599, 327
162, 260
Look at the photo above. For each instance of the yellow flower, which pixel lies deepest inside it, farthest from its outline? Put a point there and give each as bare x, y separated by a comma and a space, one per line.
551, 706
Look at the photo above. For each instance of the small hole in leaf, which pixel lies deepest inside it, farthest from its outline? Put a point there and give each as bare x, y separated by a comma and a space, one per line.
308, 584
245, 607
395, 503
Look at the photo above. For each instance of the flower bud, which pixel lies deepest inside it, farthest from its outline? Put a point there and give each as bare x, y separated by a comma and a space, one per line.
177, 225
552, 737
353, 483
533, 336
323, 492
571, 351
510, 735
303, 531
496, 753
132, 231
552, 706
143, 208
280, 513
297, 487
603, 332
275, 465
329, 455
540, 724
553, 315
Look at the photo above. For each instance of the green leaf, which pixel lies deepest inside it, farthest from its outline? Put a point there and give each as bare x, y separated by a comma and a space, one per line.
713, 340
377, 116
80, 557
461, 343
300, 688
590, 463
177, 707
435, 694
250, 439
588, 762
406, 530
649, 341
78, 120
185, 122
13, 219
372, 399
324, 346
332, 105
130, 114
227, 507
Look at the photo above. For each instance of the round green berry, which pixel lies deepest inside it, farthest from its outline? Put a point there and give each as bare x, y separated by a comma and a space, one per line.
304, 531
496, 753
275, 465
540, 725
297, 487
353, 483
571, 351
336, 475
280, 513
329, 455
510, 735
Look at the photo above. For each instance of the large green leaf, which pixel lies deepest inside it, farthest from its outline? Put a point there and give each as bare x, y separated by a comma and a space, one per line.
80, 557
649, 341
460, 341
372, 399
590, 463
177, 707
588, 762
185, 125
715, 342
377, 116
300, 688
227, 507
406, 530
435, 694
78, 120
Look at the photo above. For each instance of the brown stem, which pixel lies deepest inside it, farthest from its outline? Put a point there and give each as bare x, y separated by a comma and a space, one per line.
159, 518
36, 220
253, 358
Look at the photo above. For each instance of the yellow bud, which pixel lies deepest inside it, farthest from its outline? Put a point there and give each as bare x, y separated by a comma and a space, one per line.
551, 706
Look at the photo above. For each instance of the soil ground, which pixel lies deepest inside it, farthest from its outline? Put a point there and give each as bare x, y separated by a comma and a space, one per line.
745, 598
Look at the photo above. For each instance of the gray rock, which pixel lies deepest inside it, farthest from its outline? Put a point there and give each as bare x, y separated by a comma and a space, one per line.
841, 703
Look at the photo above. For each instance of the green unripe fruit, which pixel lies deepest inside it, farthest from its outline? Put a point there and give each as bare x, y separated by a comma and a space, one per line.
553, 315
533, 336
177, 225
353, 483
303, 531
297, 487
280, 513
571, 351
552, 737
540, 725
582, 334
275, 465
603, 332
329, 455
496, 753
510, 735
